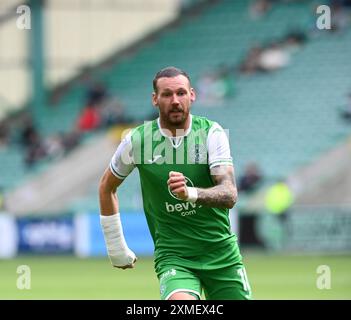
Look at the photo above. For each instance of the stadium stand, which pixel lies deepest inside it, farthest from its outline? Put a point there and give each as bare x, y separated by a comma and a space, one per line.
282, 120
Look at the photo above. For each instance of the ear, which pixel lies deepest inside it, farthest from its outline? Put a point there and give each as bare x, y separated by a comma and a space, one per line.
192, 95
154, 99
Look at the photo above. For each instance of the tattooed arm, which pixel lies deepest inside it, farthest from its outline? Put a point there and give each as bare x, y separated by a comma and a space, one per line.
223, 195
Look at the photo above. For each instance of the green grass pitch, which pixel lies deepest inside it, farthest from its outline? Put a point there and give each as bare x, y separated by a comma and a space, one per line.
270, 276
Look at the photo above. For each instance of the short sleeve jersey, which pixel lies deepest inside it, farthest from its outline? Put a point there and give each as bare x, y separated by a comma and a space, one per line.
179, 229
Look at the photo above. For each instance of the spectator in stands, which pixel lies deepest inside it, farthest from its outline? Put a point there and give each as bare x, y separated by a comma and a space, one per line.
346, 111
35, 150
96, 94
102, 110
54, 146
89, 119
33, 143
29, 130
251, 178
293, 41
273, 57
71, 139
340, 17
278, 201
112, 113
259, 8
4, 134
250, 64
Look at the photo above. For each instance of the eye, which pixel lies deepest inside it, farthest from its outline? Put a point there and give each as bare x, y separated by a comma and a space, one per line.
181, 93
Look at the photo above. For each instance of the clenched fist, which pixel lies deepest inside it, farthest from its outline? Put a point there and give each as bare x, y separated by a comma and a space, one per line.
177, 185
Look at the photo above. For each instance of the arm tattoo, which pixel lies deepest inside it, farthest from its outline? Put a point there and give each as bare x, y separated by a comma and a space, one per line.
222, 195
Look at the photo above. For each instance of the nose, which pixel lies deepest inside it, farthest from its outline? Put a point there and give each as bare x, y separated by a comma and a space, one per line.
175, 99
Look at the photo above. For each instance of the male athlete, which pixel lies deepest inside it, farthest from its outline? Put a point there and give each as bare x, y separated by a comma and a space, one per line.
188, 185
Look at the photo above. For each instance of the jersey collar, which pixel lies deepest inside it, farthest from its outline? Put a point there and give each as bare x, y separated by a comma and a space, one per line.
185, 134
175, 141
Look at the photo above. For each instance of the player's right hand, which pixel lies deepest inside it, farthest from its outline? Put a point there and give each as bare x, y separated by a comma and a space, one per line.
123, 259
128, 266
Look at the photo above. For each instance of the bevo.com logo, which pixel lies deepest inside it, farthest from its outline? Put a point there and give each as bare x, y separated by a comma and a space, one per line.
184, 208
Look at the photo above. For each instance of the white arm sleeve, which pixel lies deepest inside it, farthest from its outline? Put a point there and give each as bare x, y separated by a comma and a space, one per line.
122, 163
218, 147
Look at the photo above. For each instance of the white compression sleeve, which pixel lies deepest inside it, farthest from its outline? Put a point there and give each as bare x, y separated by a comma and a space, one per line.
118, 251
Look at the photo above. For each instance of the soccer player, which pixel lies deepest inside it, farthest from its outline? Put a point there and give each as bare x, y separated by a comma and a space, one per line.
188, 186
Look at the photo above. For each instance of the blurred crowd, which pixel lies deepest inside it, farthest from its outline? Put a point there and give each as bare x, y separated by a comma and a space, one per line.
99, 110
38, 147
272, 56
215, 86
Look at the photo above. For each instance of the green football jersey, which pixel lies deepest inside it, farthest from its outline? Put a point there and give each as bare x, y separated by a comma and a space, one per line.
181, 230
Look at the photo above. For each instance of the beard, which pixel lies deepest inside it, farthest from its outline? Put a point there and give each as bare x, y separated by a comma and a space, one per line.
177, 117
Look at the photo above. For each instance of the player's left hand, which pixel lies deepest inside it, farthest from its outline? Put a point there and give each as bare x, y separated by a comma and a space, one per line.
177, 185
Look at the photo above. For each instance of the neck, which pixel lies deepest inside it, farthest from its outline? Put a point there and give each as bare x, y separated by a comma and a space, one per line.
173, 128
